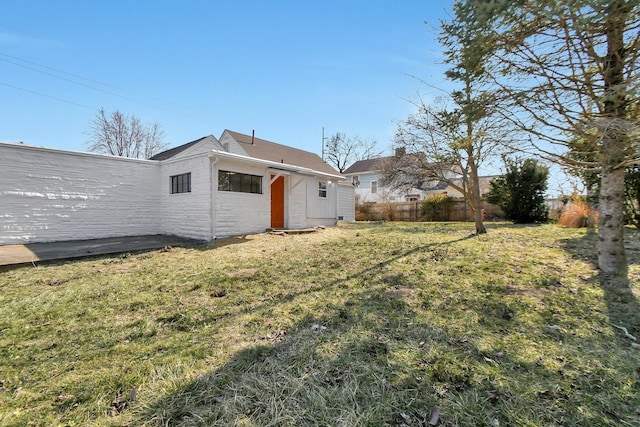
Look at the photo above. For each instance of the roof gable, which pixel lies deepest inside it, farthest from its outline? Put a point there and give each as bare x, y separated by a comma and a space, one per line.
210, 141
266, 150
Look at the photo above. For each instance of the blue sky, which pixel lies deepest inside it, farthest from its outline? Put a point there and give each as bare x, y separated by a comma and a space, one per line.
284, 68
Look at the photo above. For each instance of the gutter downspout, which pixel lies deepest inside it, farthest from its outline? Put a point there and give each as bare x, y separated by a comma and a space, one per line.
213, 192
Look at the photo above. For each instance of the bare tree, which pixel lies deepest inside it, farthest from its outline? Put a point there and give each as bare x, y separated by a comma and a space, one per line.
570, 70
439, 142
456, 134
125, 136
342, 151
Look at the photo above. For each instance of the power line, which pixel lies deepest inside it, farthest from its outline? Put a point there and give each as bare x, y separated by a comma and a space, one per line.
65, 79
83, 84
74, 75
47, 96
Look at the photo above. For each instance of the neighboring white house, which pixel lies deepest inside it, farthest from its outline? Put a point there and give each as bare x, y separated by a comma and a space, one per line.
366, 176
205, 189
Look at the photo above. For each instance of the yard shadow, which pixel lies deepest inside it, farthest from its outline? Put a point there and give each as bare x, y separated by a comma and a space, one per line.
369, 360
221, 243
317, 364
306, 373
622, 305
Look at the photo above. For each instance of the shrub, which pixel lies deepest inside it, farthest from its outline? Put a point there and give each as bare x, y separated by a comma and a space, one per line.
520, 191
434, 207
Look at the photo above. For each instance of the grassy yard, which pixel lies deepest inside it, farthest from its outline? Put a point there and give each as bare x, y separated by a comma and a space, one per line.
357, 325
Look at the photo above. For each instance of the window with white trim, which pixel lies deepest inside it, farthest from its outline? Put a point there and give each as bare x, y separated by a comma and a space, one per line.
374, 187
322, 189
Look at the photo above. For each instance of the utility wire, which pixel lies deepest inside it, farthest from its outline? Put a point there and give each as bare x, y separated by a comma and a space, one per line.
76, 76
47, 96
66, 80
83, 84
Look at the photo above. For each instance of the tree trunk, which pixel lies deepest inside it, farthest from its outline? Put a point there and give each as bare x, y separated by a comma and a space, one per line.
612, 259
474, 201
478, 216
474, 193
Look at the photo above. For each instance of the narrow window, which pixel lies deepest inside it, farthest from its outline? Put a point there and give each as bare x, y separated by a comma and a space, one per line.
181, 183
374, 187
322, 189
239, 182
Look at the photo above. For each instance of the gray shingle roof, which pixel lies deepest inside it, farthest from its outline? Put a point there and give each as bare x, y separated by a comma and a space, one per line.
176, 150
368, 165
274, 152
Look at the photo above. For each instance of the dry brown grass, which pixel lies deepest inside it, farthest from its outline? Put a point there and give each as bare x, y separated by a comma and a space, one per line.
371, 324
578, 214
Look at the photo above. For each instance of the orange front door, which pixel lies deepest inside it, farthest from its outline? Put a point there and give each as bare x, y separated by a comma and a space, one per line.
277, 202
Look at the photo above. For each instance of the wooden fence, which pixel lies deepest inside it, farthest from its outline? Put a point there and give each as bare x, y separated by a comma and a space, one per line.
454, 210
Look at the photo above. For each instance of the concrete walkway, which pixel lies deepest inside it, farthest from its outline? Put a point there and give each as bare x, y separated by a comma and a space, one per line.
33, 252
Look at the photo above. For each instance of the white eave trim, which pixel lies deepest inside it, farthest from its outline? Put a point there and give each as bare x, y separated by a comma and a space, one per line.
275, 165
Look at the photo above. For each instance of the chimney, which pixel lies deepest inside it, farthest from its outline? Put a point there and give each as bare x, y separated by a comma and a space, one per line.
401, 151
253, 137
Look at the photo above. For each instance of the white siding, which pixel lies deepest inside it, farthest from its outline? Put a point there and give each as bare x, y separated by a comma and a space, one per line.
231, 145
241, 213
363, 191
52, 195
321, 211
296, 204
346, 203
187, 214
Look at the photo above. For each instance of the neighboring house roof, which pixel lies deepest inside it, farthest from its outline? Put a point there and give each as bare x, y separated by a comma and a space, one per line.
176, 150
405, 160
271, 151
368, 165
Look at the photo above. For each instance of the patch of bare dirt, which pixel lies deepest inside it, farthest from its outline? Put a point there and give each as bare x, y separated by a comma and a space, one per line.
401, 292
243, 272
527, 291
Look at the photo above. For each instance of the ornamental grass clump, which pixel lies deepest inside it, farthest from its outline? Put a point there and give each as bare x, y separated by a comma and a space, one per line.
577, 214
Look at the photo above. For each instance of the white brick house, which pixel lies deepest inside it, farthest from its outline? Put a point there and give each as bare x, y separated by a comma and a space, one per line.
205, 189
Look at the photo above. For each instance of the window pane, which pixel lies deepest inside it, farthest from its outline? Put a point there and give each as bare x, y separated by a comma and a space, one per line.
245, 183
223, 181
256, 184
234, 181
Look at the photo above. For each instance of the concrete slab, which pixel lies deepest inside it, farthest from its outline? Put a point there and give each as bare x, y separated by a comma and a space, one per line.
34, 252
